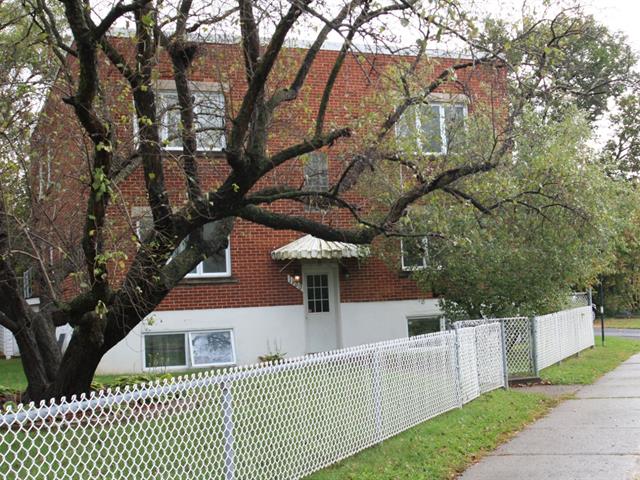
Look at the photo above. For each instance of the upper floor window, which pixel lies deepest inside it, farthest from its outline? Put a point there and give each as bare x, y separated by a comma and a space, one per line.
27, 283
413, 253
218, 265
316, 172
209, 112
44, 174
435, 126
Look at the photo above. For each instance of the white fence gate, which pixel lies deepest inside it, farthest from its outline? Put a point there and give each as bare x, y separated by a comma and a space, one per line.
534, 343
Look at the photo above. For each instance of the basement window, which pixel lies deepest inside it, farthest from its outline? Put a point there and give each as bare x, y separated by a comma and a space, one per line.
424, 324
189, 349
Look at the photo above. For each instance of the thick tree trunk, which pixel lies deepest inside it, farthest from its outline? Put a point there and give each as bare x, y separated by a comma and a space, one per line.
77, 368
33, 364
45, 333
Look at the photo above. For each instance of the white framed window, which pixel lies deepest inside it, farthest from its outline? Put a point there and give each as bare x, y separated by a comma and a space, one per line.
421, 324
414, 253
176, 350
44, 175
212, 348
316, 172
215, 266
209, 112
165, 350
435, 126
27, 283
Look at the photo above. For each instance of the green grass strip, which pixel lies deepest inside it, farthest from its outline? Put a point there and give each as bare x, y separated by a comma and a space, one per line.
592, 363
445, 445
619, 323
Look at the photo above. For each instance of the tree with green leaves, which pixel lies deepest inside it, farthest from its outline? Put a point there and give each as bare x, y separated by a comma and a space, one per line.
517, 240
116, 295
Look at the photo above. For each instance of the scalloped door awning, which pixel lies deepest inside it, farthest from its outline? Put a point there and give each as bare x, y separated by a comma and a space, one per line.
312, 248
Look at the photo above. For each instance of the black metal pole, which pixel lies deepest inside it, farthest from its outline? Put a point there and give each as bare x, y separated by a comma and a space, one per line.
602, 311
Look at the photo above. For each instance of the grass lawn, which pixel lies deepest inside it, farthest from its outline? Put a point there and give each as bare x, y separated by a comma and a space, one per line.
441, 447
436, 449
592, 363
12, 377
619, 323
446, 445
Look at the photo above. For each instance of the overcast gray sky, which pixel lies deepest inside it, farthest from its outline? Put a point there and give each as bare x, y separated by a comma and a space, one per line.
619, 15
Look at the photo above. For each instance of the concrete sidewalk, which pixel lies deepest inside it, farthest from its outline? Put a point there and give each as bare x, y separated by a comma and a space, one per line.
594, 436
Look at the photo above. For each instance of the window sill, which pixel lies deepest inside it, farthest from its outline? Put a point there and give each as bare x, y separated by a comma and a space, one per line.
407, 273
207, 280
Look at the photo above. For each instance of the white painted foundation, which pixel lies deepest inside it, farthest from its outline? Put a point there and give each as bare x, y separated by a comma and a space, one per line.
261, 330
256, 330
368, 322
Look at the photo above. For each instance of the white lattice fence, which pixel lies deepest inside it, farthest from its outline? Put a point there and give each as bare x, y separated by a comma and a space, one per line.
269, 421
562, 334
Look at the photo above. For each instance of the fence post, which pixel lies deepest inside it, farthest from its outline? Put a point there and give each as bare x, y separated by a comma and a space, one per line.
376, 376
475, 341
534, 346
227, 425
505, 365
458, 376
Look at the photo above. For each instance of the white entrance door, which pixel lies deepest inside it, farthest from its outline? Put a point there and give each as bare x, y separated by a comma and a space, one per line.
321, 300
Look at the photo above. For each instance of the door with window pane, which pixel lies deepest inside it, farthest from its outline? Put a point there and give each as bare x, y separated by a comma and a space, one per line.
321, 308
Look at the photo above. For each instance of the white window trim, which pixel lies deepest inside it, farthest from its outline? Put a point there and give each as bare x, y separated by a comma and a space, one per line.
227, 273
140, 212
27, 283
168, 367
222, 364
441, 100
426, 316
169, 86
442, 123
44, 182
187, 350
414, 268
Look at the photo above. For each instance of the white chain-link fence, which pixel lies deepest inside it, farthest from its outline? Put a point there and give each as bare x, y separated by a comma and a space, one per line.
534, 343
579, 299
283, 420
270, 421
562, 334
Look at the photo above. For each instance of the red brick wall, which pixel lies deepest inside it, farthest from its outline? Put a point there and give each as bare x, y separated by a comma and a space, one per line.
257, 280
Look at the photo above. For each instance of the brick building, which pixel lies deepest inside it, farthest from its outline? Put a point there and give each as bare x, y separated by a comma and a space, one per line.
271, 291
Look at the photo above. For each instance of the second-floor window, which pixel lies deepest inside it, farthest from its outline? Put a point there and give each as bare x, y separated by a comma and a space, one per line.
435, 127
209, 111
215, 266
316, 172
413, 253
218, 265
